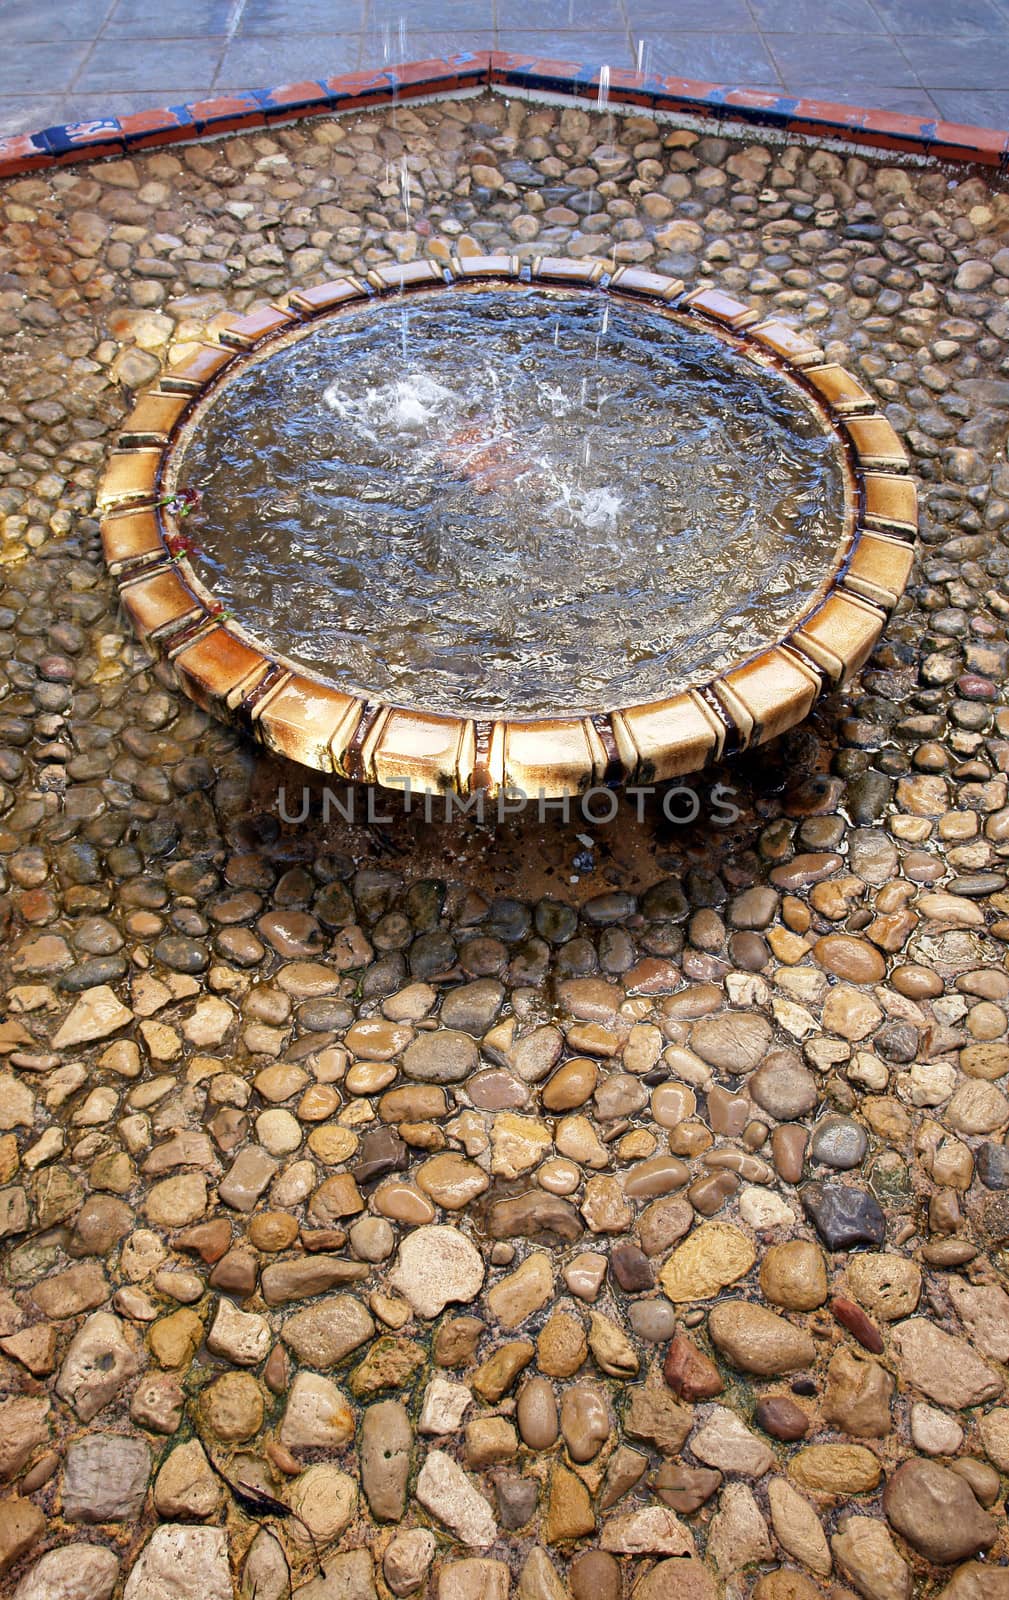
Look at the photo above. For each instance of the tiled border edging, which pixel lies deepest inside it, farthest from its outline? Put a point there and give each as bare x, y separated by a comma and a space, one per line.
474, 70
225, 670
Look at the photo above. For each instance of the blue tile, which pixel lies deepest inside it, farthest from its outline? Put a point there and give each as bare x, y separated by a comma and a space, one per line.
981, 108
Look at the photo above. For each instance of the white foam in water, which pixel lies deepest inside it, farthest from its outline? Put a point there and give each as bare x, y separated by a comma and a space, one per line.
407, 405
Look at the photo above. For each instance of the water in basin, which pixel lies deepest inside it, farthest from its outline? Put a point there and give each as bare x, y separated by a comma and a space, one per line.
513, 500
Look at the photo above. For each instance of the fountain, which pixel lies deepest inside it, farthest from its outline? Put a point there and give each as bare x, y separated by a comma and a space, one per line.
476, 525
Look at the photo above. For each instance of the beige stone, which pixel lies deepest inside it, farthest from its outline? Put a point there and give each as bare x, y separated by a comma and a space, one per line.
835, 1469
797, 1527
867, 1555
713, 1256
522, 1292
888, 1286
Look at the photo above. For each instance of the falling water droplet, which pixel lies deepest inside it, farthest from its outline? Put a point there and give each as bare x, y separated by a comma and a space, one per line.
603, 98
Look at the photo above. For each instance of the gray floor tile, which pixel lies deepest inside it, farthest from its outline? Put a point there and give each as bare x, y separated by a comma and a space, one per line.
942, 19
279, 18
561, 16
47, 21
982, 108
50, 67
960, 64
911, 102
714, 58
27, 115
261, 63
180, 19
118, 65
841, 60
435, 46
104, 103
586, 49
670, 16
814, 16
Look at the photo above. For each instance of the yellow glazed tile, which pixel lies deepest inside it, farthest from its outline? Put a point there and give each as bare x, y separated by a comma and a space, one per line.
130, 536
307, 722
633, 280
213, 665
159, 601
130, 475
786, 342
551, 757
668, 738
876, 444
843, 393
891, 501
324, 295
486, 267
155, 413
565, 269
405, 274
431, 752
879, 568
722, 307
775, 691
202, 365
840, 636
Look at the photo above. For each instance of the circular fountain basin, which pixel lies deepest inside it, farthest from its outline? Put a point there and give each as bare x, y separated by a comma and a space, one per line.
471, 527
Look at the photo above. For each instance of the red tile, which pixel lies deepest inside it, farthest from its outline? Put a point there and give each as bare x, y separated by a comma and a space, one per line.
291, 95
228, 112
20, 153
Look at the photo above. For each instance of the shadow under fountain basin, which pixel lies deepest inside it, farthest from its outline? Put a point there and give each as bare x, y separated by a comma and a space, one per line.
483, 526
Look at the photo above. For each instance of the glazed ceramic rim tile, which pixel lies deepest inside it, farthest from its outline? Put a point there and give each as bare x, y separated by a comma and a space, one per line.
304, 717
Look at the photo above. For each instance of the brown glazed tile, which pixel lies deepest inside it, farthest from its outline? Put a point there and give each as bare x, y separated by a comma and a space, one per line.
891, 501
324, 295
130, 475
668, 738
242, 332
214, 665
879, 568
307, 722
769, 694
634, 280
159, 602
841, 391
431, 752
154, 415
130, 536
876, 444
722, 307
786, 342
841, 636
486, 267
405, 274
552, 757
201, 365
564, 269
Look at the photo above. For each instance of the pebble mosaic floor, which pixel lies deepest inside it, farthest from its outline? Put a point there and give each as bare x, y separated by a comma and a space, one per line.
397, 1209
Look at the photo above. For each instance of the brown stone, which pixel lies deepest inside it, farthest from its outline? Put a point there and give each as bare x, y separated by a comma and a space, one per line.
935, 1511
858, 1395
757, 1340
690, 1374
